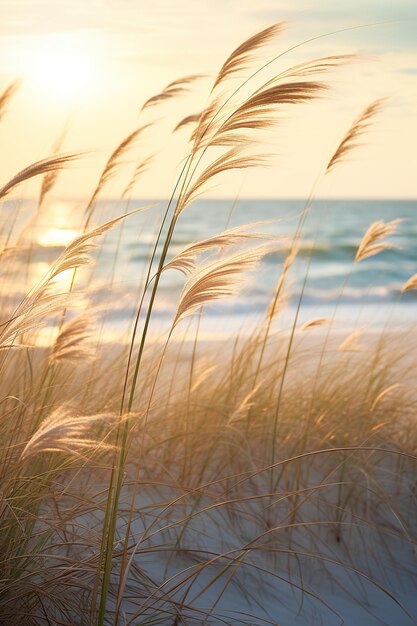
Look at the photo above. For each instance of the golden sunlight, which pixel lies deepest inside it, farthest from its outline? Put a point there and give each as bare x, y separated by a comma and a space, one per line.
208, 313
60, 67
56, 237
57, 226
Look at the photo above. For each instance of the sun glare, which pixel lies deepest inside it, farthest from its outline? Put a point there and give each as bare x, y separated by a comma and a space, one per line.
56, 237
57, 228
60, 67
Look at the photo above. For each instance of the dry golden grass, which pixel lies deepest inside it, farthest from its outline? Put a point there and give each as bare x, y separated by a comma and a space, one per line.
350, 140
372, 240
161, 481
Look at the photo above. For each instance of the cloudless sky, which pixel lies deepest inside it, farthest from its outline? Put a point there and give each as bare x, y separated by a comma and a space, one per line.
89, 66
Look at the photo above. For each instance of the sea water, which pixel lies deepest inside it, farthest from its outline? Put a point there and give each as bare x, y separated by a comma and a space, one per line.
324, 277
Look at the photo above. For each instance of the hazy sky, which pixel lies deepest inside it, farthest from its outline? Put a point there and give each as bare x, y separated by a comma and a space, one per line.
91, 64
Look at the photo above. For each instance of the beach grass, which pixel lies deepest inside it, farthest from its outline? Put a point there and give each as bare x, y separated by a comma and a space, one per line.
262, 478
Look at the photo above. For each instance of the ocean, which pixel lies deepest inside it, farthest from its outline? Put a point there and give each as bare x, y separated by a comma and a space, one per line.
324, 276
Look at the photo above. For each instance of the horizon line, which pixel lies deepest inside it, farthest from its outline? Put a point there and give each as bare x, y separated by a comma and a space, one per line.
233, 198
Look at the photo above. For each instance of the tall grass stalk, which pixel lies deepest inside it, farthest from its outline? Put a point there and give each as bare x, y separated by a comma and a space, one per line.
166, 481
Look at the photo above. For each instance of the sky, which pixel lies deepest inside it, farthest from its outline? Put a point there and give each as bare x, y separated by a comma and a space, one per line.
88, 66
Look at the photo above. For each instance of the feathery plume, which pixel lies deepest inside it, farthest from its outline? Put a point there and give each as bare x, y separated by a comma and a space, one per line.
205, 120
140, 169
77, 252
384, 393
315, 66
39, 168
242, 55
72, 343
40, 303
280, 298
67, 432
242, 410
176, 88
372, 243
185, 80
113, 164
216, 280
204, 369
164, 95
190, 119
30, 314
351, 343
184, 263
7, 95
185, 260
350, 140
232, 160
320, 321
258, 111
50, 178
410, 284
254, 109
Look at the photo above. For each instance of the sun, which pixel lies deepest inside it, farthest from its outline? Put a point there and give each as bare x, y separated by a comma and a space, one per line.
61, 67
